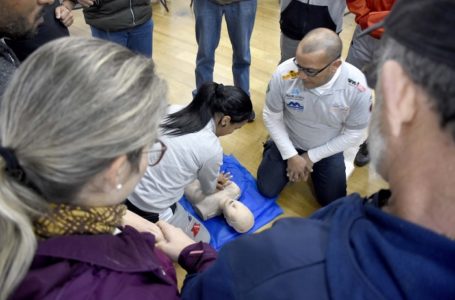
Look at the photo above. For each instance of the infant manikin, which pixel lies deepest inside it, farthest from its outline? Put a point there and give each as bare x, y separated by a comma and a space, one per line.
223, 202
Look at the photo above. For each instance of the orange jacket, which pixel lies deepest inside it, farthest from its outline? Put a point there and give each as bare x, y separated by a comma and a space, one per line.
369, 12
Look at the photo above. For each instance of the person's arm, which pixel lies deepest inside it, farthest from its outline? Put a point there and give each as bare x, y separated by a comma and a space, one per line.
69, 4
273, 117
275, 125
224, 179
64, 13
142, 225
193, 257
209, 172
365, 16
345, 140
352, 134
298, 166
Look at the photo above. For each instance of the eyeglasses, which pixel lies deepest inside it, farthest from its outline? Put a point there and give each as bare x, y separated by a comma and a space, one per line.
159, 148
312, 72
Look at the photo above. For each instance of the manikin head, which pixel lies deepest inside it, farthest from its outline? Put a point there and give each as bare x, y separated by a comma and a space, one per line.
237, 215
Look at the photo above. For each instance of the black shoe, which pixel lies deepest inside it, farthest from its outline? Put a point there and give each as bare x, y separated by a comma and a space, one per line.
252, 117
362, 157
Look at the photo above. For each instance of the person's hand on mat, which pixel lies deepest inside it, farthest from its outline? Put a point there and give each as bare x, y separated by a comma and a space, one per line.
174, 241
142, 225
224, 179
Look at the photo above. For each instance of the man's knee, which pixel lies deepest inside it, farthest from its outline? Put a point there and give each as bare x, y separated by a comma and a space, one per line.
268, 185
271, 174
328, 194
267, 190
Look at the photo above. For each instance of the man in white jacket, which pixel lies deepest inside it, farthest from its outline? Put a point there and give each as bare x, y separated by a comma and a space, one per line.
316, 107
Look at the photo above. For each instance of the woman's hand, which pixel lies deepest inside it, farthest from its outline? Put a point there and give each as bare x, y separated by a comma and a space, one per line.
224, 179
174, 241
142, 225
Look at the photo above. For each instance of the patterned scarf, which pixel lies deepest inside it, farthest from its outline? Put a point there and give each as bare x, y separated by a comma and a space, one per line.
64, 219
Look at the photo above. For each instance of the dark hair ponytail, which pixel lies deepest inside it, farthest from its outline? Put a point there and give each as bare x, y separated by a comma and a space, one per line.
211, 98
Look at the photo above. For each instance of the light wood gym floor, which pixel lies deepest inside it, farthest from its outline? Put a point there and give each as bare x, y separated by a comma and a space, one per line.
174, 52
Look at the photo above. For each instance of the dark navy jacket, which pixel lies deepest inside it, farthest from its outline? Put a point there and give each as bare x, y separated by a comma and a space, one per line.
347, 250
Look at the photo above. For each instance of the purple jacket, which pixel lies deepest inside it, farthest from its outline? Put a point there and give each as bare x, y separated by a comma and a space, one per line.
123, 266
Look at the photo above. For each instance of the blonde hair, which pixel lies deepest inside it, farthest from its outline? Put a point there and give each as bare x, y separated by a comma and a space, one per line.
73, 107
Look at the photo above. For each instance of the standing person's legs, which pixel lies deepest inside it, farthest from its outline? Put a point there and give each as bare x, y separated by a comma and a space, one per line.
271, 175
208, 29
288, 47
119, 37
362, 54
329, 179
140, 38
358, 54
240, 18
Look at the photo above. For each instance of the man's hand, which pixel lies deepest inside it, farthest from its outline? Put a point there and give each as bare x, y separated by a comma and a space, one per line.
224, 179
64, 14
308, 167
175, 240
299, 167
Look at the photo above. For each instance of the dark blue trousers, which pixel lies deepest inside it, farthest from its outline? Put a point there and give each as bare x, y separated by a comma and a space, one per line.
328, 176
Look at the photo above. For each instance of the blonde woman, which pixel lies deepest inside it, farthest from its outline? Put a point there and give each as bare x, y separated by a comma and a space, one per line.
69, 155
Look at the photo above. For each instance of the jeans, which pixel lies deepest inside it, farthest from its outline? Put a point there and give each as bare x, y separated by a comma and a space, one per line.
240, 21
138, 39
328, 176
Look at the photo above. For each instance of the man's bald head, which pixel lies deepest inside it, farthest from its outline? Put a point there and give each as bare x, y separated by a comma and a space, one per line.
321, 39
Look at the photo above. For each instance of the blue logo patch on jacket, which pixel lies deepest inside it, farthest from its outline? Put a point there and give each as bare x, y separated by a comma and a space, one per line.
295, 105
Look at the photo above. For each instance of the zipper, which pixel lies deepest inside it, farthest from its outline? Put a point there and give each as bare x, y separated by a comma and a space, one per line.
307, 8
132, 12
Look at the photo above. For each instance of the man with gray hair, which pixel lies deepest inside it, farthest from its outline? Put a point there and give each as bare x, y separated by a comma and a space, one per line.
398, 245
316, 107
18, 19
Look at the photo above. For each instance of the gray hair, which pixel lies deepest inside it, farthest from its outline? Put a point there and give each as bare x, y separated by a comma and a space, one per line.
437, 80
72, 108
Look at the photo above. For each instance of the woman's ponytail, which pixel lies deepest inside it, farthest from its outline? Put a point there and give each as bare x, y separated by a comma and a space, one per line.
17, 239
196, 115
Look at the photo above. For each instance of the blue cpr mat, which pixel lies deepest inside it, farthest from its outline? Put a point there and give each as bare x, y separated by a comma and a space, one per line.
264, 209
